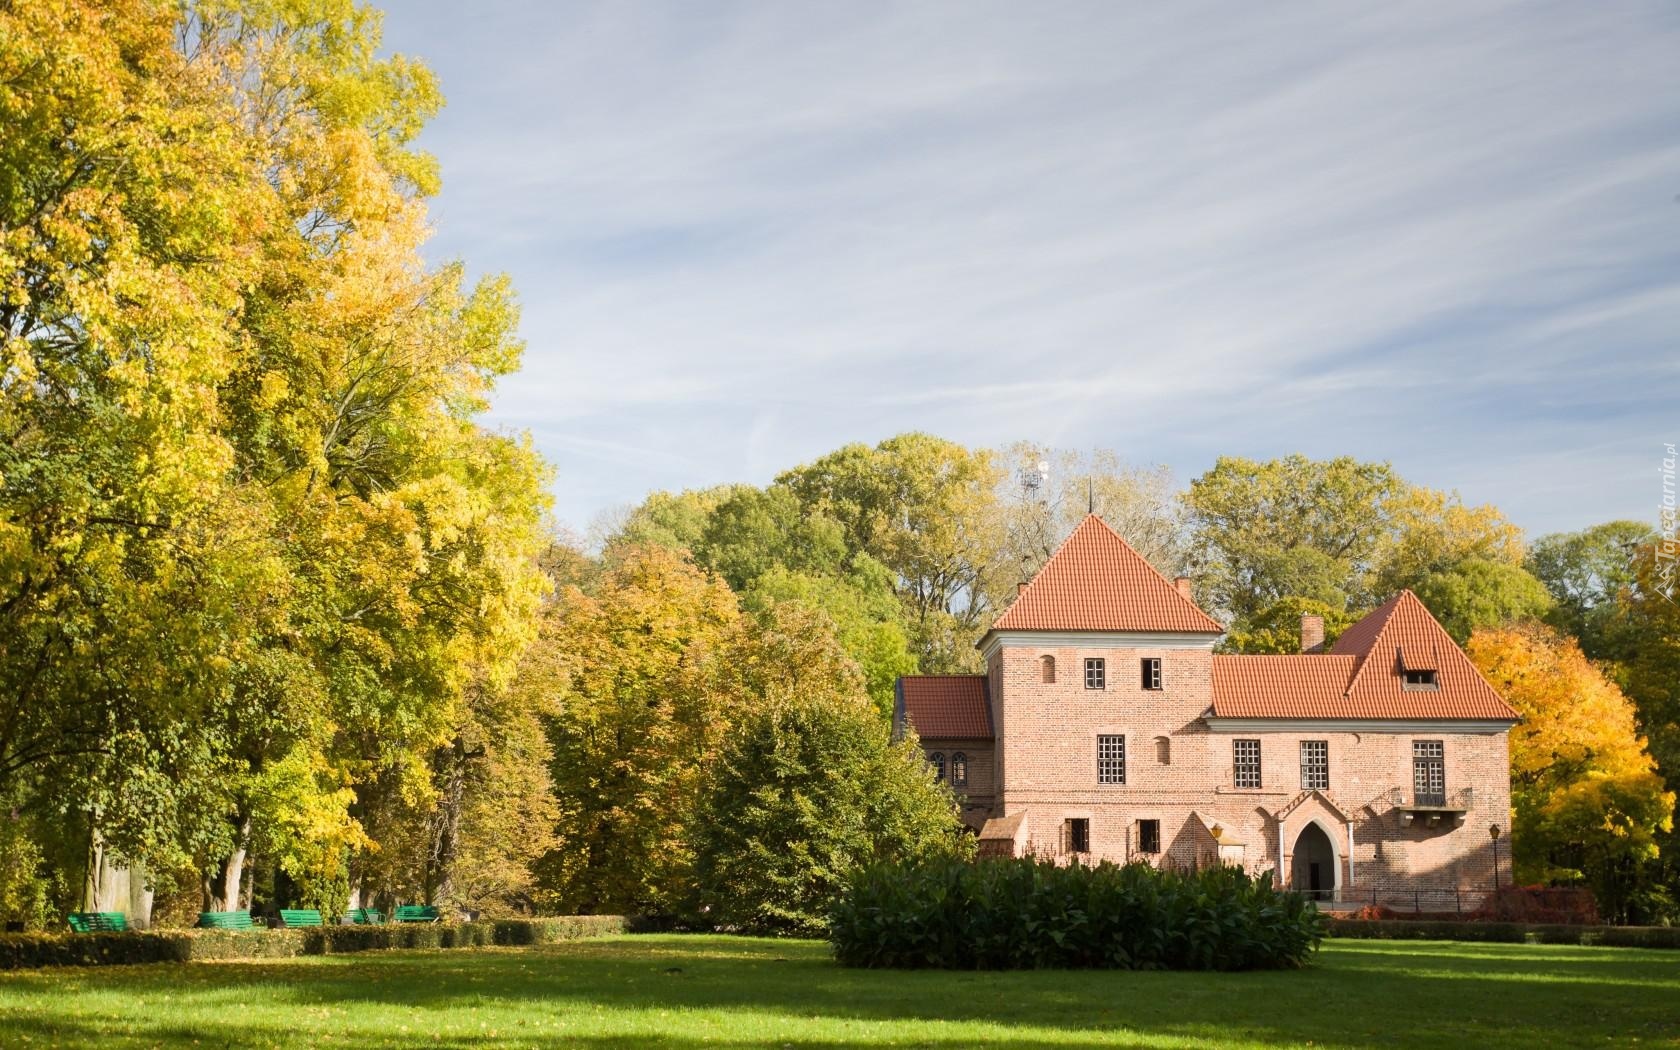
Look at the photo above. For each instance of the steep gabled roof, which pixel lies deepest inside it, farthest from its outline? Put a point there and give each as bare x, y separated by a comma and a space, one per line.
1360, 677
946, 706
1408, 630
1096, 582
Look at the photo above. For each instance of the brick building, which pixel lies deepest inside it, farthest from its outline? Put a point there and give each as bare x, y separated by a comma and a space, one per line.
1105, 727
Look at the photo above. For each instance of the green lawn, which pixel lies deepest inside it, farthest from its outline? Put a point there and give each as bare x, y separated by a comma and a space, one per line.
691, 991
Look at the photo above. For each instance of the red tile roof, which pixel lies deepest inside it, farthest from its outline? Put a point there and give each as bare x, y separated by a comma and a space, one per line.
946, 706
1360, 677
1096, 582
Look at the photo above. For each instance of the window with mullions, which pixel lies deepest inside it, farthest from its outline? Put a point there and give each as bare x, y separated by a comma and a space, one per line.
1315, 765
1245, 760
937, 761
1111, 760
1429, 772
1095, 673
959, 770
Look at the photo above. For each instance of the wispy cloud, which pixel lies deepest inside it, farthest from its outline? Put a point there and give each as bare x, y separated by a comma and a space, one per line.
747, 233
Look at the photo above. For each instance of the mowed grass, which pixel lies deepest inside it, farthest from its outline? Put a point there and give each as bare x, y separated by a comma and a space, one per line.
693, 991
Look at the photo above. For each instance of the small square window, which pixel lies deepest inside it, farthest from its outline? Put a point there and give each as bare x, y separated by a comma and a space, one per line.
1095, 674
1149, 836
1419, 680
1152, 672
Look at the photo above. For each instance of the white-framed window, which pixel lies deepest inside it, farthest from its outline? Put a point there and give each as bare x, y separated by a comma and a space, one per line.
1315, 765
1151, 672
1096, 673
1111, 759
1245, 763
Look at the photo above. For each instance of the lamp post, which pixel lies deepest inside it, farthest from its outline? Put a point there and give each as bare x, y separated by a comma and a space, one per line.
1493, 833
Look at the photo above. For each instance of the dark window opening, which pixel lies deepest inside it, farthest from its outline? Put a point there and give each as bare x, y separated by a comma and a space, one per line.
1095, 674
1245, 758
1149, 836
1419, 680
1111, 760
1079, 835
1152, 672
937, 760
959, 770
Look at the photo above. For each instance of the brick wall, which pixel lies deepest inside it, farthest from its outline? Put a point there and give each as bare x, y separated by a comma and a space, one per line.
1180, 773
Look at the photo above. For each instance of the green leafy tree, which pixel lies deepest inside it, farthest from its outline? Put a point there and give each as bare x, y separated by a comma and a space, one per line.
807, 787
1277, 628
1590, 572
926, 509
1476, 594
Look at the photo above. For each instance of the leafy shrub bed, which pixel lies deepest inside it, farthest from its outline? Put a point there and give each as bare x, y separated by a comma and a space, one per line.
1026, 913
1508, 932
24, 951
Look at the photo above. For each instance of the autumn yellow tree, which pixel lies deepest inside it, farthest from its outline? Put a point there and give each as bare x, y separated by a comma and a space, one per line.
256, 553
1587, 798
643, 696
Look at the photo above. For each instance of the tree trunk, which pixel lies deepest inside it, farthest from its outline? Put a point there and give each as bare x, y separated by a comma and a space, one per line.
223, 883
111, 886
450, 767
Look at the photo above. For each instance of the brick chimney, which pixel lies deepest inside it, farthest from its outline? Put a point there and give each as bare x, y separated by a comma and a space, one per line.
1019, 587
1183, 585
1312, 633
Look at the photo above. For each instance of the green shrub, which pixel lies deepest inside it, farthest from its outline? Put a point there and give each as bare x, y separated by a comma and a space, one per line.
30, 950
1027, 913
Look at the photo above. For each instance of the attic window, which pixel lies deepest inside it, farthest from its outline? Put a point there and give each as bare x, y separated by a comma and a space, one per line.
1419, 680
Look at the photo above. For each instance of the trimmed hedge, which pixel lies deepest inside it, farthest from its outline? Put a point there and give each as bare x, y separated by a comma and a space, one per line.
1507, 932
29, 950
1025, 913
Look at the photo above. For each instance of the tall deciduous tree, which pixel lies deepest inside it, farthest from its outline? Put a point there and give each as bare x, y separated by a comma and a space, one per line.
1590, 573
1045, 492
644, 699
926, 509
254, 549
1588, 801
1477, 594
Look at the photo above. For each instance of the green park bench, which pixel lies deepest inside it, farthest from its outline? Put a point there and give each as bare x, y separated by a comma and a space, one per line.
98, 921
366, 916
416, 913
292, 917
224, 920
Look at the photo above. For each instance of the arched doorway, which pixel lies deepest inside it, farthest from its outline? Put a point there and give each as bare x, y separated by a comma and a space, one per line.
1314, 869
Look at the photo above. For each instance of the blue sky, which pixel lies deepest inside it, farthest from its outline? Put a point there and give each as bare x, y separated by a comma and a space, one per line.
744, 234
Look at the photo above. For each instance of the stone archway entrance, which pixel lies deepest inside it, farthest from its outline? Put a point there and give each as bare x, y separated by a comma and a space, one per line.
1313, 866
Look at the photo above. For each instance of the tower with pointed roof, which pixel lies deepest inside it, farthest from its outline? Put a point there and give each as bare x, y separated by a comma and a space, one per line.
1106, 727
